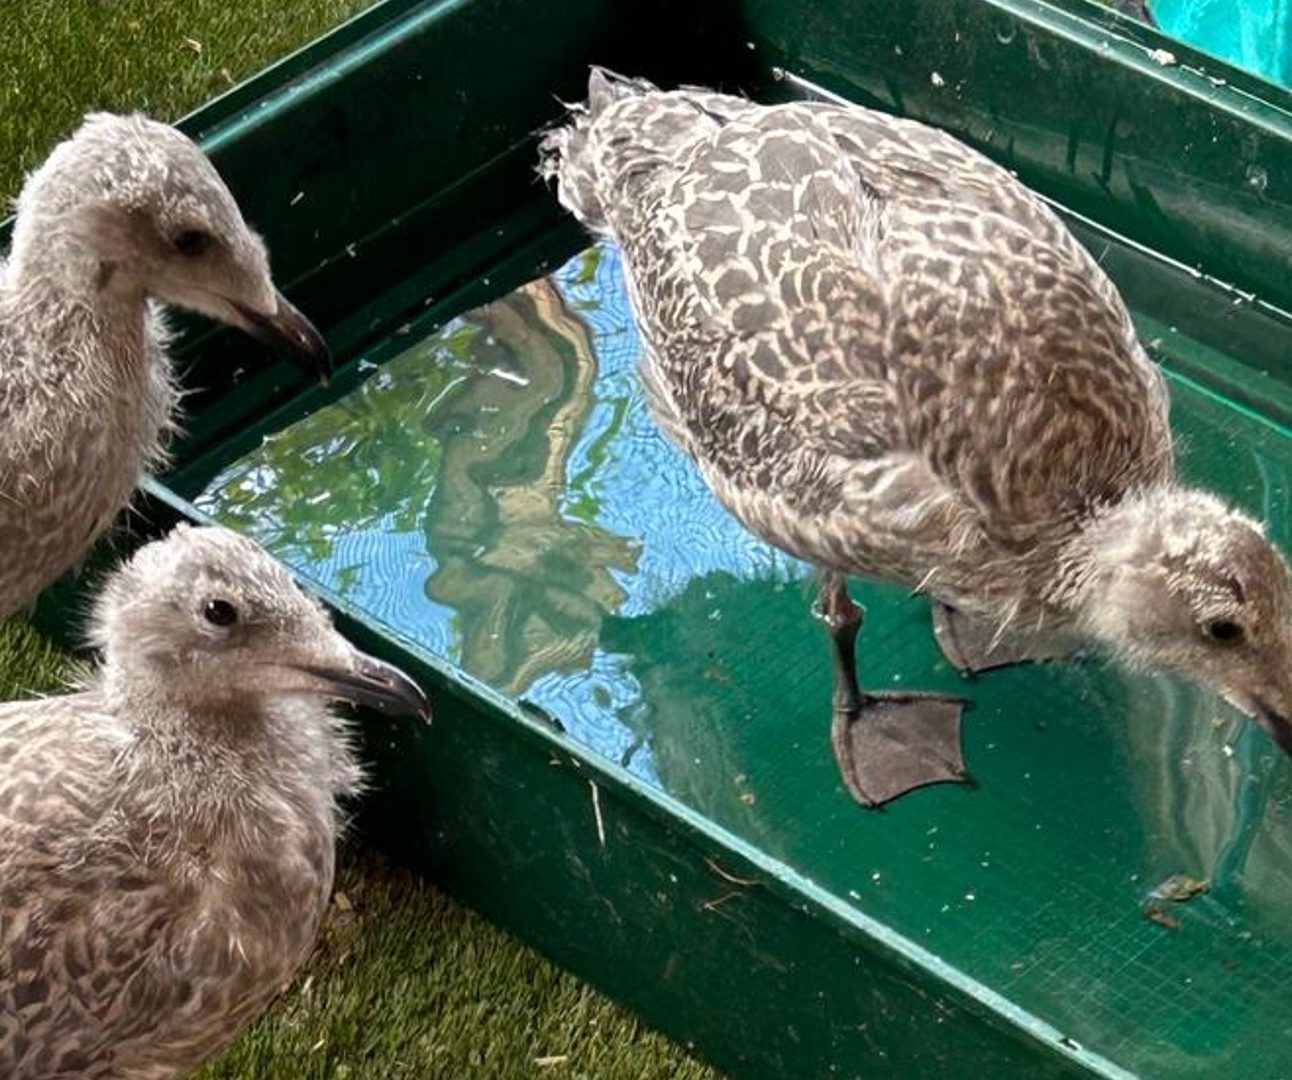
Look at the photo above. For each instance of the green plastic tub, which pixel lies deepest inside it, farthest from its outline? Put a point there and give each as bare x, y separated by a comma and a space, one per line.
629, 765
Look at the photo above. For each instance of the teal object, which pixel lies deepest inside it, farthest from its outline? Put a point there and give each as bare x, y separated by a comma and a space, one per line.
629, 764
1252, 34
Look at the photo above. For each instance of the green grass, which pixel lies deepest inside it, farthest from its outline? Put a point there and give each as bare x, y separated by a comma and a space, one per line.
62, 58
405, 983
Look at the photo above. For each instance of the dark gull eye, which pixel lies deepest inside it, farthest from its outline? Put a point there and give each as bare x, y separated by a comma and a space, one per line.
192, 242
219, 613
1223, 630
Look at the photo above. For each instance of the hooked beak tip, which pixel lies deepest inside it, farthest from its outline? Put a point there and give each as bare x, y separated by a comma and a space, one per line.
377, 685
291, 331
1278, 725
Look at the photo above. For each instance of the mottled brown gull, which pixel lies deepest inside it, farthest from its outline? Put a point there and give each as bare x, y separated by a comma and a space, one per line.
889, 358
167, 834
126, 213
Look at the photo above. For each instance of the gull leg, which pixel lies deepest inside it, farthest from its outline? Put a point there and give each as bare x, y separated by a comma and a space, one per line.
886, 743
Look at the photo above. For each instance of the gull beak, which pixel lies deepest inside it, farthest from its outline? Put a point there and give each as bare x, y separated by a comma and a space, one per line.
365, 680
1276, 723
1268, 703
291, 331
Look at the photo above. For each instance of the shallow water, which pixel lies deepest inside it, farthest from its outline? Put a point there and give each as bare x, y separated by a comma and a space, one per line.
499, 494
484, 492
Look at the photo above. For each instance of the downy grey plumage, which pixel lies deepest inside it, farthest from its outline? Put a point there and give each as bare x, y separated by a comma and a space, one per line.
126, 213
167, 833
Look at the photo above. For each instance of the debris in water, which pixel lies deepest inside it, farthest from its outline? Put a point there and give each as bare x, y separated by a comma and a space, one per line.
508, 376
543, 716
715, 673
936, 79
1158, 914
726, 875
596, 813
1163, 56
1180, 887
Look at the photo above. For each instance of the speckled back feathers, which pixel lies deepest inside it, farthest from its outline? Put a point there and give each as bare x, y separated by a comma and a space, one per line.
857, 320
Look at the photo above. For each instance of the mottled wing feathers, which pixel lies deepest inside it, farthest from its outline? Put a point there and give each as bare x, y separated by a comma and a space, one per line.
615, 146
100, 978
52, 769
822, 285
54, 804
1019, 380
109, 967
754, 272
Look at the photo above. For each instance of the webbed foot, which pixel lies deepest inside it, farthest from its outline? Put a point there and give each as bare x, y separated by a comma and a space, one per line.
890, 743
886, 743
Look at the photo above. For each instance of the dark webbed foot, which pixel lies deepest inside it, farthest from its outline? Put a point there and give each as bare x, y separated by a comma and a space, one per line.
890, 744
972, 646
886, 744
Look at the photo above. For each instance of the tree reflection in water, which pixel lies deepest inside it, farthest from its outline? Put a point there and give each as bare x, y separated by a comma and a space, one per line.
496, 493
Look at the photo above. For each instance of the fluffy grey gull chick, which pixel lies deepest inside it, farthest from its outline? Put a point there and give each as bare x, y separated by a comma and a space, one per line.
888, 358
167, 834
125, 213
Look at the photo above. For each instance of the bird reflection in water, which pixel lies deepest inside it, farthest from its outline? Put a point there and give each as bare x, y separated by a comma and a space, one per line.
499, 494
445, 474
1213, 793
530, 582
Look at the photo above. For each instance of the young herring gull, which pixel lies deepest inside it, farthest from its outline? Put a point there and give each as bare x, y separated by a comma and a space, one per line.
126, 213
889, 358
167, 834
